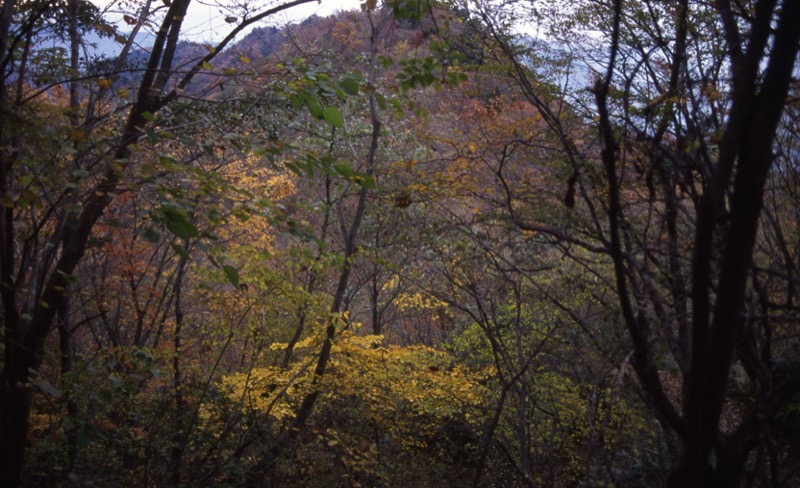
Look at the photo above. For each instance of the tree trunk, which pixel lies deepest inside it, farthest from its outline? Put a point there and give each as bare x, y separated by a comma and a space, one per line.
15, 393
67, 360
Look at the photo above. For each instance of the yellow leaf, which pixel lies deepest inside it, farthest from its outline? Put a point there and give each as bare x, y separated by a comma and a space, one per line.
78, 135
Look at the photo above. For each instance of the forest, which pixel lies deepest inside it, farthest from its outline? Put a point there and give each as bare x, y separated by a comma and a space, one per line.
423, 243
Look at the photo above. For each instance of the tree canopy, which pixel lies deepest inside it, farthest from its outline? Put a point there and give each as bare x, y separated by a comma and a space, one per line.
468, 242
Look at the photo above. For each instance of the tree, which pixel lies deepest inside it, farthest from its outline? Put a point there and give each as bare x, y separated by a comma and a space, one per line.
380, 407
47, 221
686, 101
534, 306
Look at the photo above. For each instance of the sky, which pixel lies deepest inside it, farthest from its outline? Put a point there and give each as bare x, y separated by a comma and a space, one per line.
205, 20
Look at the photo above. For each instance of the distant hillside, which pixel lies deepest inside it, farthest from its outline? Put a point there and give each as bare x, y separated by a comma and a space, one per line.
259, 43
338, 38
102, 52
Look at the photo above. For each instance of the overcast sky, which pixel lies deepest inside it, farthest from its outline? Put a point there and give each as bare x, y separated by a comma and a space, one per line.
205, 20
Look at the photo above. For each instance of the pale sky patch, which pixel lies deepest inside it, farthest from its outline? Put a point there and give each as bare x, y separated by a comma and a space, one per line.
206, 20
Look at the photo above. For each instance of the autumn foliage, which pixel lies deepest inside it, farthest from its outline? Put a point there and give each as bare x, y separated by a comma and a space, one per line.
405, 245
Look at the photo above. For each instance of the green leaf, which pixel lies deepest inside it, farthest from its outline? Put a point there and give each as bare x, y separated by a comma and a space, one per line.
314, 107
214, 215
344, 169
350, 86
46, 388
381, 100
297, 101
152, 138
69, 277
385, 61
180, 250
333, 116
232, 274
169, 163
409, 9
177, 223
366, 181
294, 168
398, 107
